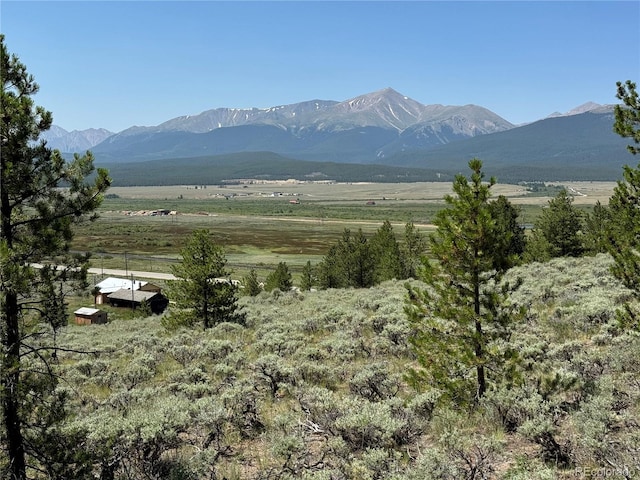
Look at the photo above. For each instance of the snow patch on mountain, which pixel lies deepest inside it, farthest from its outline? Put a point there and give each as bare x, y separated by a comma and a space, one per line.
584, 108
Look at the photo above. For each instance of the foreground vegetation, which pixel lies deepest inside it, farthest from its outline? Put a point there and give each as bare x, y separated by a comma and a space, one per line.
313, 386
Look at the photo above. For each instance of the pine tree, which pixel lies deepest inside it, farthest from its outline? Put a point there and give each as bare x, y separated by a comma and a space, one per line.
251, 284
624, 205
627, 116
509, 229
557, 232
362, 262
596, 229
413, 249
279, 279
458, 316
42, 196
348, 263
330, 270
346, 253
625, 229
308, 279
389, 261
203, 291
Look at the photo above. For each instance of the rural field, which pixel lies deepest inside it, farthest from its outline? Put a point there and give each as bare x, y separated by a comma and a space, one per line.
346, 192
223, 284
262, 223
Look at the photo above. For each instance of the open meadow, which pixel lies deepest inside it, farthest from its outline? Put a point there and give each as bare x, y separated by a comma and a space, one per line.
348, 192
260, 223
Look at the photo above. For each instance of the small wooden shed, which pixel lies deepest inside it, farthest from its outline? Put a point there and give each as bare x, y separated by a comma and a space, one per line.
89, 316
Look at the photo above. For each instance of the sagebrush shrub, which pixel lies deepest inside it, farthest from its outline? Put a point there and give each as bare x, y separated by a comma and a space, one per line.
374, 383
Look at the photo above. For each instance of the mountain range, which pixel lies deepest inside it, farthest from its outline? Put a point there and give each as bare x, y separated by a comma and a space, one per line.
383, 127
76, 140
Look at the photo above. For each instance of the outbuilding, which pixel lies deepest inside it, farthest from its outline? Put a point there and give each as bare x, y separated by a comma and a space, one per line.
135, 298
112, 284
90, 316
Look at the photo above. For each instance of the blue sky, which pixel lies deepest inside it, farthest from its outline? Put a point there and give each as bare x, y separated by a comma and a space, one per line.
118, 64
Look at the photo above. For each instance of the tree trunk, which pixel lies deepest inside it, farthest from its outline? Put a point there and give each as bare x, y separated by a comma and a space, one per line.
482, 385
205, 310
11, 390
479, 350
10, 361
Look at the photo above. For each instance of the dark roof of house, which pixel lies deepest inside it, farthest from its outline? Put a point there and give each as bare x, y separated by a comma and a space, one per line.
136, 295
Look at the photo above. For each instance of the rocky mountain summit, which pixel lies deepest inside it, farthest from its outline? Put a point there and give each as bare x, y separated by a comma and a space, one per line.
76, 140
382, 127
584, 108
361, 129
385, 109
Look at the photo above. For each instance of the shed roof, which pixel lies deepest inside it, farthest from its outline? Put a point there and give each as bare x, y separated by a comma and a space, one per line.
135, 296
86, 311
113, 284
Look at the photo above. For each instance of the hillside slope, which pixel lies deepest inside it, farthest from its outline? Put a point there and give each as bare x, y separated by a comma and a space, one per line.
580, 147
214, 169
313, 387
576, 147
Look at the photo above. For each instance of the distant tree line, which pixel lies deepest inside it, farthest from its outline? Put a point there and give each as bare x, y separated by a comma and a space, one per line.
360, 262
354, 261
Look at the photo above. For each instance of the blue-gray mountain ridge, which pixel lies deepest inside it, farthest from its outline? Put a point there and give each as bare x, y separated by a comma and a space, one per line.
383, 127
76, 140
362, 129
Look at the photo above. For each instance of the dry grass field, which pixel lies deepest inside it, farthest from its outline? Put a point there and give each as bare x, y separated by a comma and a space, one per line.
311, 191
262, 223
586, 193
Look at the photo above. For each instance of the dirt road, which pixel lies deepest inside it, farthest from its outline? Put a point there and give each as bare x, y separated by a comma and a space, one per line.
112, 272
